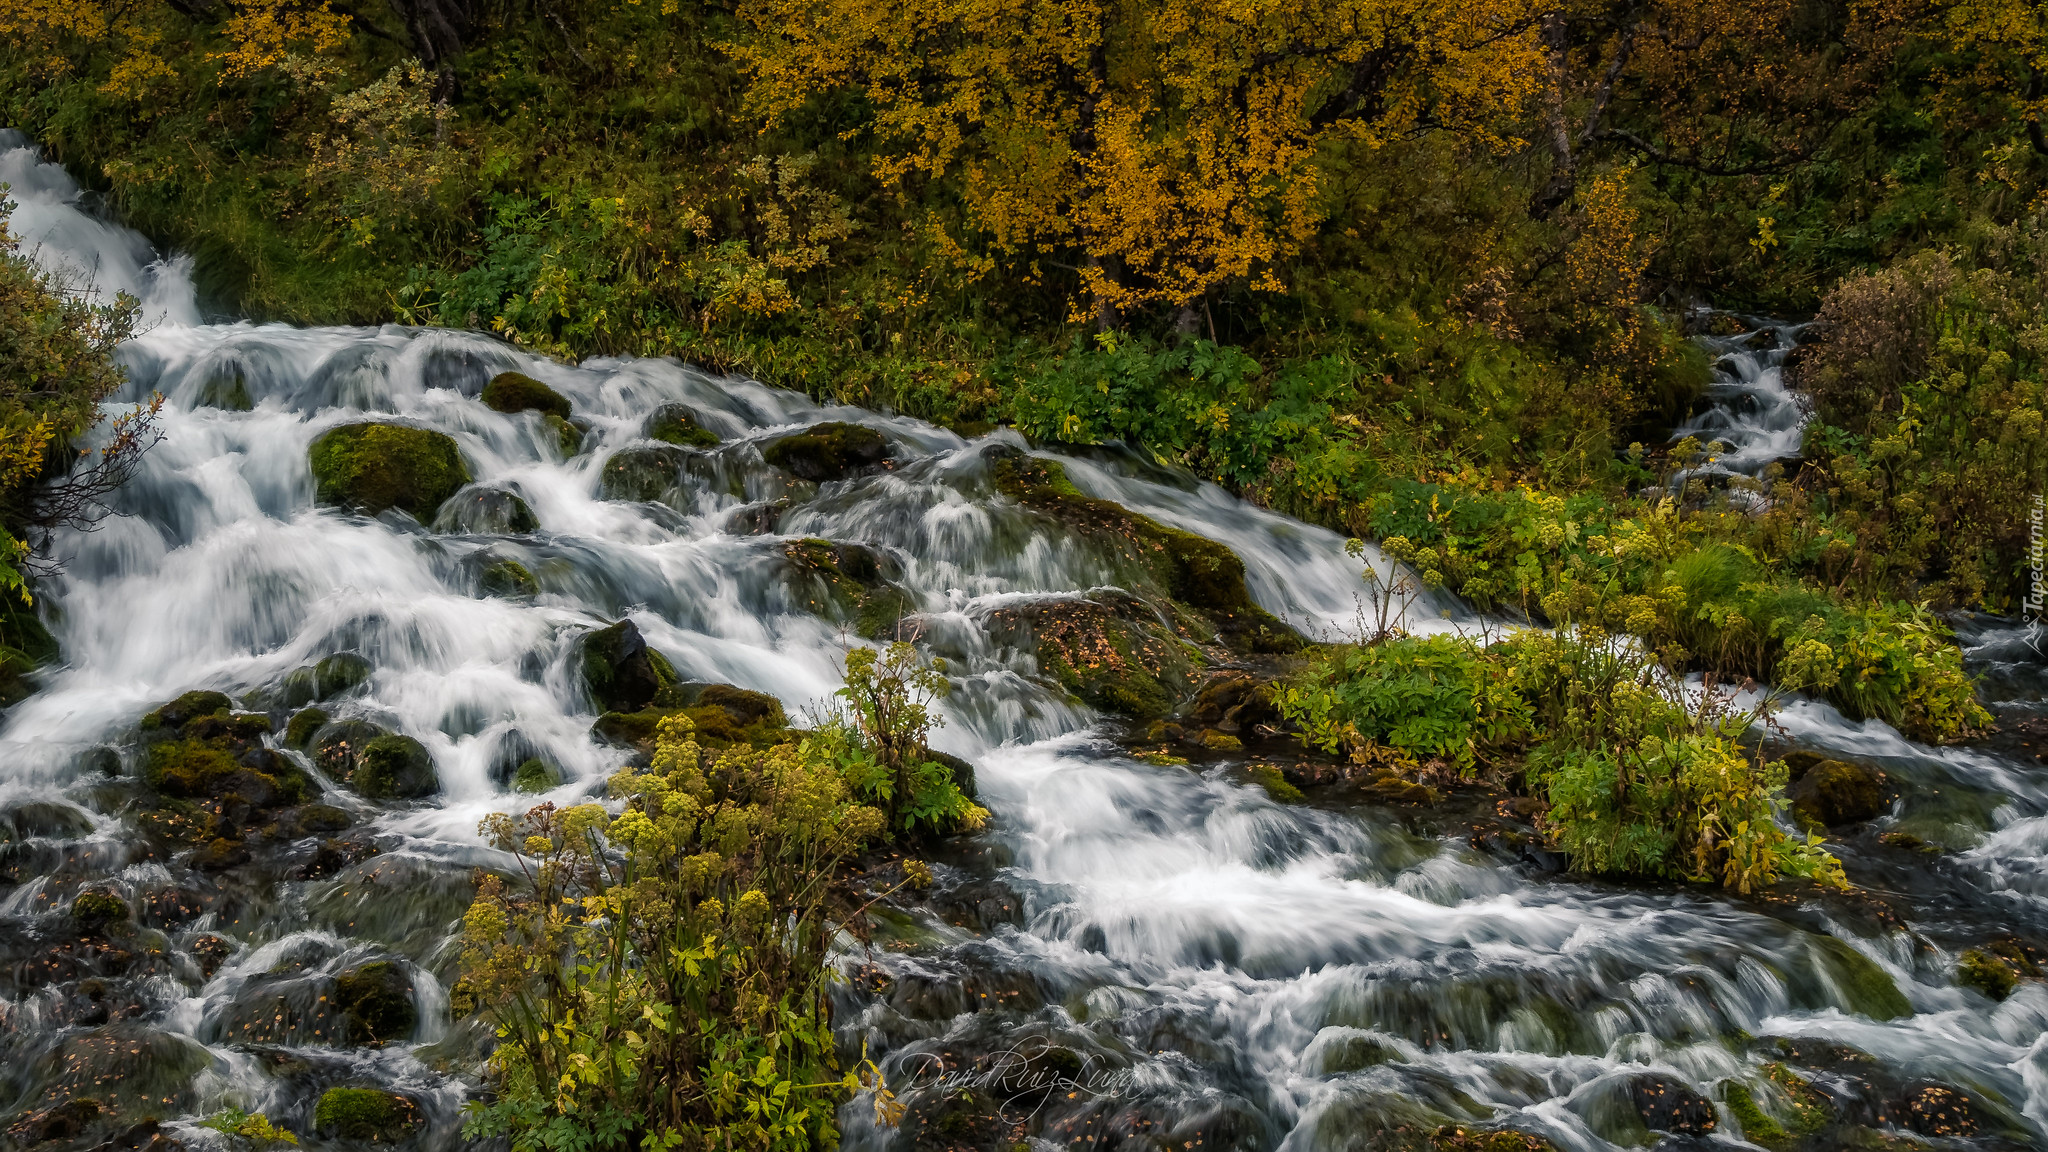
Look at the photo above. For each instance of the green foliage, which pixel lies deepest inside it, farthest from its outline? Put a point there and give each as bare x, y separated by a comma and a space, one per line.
876, 740
658, 979
371, 467
253, 1127
366, 1114
535, 776
1439, 697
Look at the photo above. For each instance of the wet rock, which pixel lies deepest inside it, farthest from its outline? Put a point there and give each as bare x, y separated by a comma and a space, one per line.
332, 857
147, 1136
747, 708
366, 1114
1458, 1138
43, 820
507, 578
1835, 792
756, 519
1989, 974
94, 910
1862, 985
185, 709
25, 645
511, 392
723, 714
1217, 740
622, 673
1354, 1053
304, 723
220, 854
568, 434
376, 999
830, 451
128, 1069
678, 424
535, 776
486, 510
643, 474
210, 952
1196, 572
103, 760
227, 390
199, 750
62, 1122
1234, 702
332, 676
337, 745
393, 767
1270, 778
312, 820
848, 583
370, 467
1112, 651
1388, 787
1668, 1105
1935, 1109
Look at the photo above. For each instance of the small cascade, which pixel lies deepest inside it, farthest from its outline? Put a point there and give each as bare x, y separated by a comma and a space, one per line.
1189, 962
1749, 419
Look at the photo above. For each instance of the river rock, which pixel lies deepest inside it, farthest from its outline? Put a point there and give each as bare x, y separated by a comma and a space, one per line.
535, 775
330, 677
507, 578
368, 1115
830, 451
724, 714
848, 583
649, 473
511, 392
371, 467
1935, 1109
1108, 649
679, 424
394, 767
1837, 792
1193, 571
1668, 1105
486, 510
758, 519
200, 750
622, 673
376, 999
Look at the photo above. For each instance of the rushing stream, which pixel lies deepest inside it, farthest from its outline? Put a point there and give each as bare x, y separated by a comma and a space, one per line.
1198, 965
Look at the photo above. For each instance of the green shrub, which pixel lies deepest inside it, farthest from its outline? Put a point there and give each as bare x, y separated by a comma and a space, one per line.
876, 740
661, 982
1440, 697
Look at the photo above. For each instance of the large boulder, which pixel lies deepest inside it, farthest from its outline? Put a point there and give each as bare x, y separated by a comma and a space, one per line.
831, 451
375, 764
848, 583
1111, 650
621, 671
377, 1001
648, 473
199, 749
1193, 571
511, 392
486, 510
366, 1115
372, 467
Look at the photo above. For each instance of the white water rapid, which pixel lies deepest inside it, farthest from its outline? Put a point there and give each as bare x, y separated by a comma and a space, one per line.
1750, 419
1220, 971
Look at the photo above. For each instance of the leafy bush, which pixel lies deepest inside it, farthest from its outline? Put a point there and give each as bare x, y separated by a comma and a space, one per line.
877, 742
658, 979
1440, 697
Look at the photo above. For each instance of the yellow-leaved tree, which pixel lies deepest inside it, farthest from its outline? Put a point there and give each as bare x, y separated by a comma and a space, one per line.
1166, 148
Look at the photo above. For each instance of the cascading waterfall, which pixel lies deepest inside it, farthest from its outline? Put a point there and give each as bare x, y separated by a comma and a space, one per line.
1206, 967
1750, 419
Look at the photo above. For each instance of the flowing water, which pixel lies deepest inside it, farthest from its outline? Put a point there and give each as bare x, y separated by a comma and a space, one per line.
1750, 419
1131, 956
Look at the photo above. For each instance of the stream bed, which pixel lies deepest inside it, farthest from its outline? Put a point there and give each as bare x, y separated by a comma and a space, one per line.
1131, 956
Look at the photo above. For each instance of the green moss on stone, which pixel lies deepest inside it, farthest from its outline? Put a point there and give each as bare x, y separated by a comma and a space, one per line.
372, 467
568, 437
535, 776
848, 583
622, 672
1835, 792
1987, 973
366, 1114
1757, 1126
185, 709
1196, 572
676, 424
518, 392
1109, 651
393, 767
1865, 987
650, 473
93, 909
508, 578
1268, 777
828, 451
228, 391
377, 999
303, 724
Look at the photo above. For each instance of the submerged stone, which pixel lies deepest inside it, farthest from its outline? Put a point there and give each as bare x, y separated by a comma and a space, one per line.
1667, 1105
1865, 987
1836, 792
535, 776
1112, 651
332, 676
678, 424
831, 451
848, 583
647, 474
621, 671
371, 467
227, 390
376, 999
511, 392
486, 510
507, 578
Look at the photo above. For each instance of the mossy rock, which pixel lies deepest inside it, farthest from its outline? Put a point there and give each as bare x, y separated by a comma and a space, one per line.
1866, 988
185, 709
394, 767
677, 424
43, 820
486, 510
535, 776
220, 854
222, 758
304, 723
831, 451
1109, 650
1197, 572
724, 715
330, 677
369, 1115
1355, 1053
1268, 777
1219, 741
622, 673
371, 467
377, 1001
647, 474
507, 578
228, 391
1831, 793
568, 435
1667, 1105
94, 910
848, 584
1992, 975
1459, 1138
511, 392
